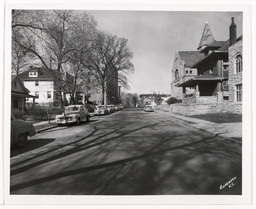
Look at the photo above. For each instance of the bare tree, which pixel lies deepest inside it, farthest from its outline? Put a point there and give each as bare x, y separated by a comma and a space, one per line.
54, 38
109, 55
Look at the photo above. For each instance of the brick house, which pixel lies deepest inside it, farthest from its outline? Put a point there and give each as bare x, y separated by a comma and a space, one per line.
217, 78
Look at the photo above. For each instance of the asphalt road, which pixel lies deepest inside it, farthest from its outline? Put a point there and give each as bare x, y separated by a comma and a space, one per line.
130, 152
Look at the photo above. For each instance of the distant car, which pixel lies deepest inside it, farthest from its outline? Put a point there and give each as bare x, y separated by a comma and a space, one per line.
100, 110
73, 114
148, 108
111, 108
20, 131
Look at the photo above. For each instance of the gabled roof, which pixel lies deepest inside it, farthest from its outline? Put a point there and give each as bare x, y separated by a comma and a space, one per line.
207, 37
15, 78
43, 74
190, 57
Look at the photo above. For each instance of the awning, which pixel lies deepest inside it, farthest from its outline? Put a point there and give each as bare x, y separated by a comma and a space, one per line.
197, 79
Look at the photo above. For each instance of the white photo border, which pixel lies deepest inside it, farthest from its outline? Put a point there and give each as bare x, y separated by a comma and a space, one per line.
244, 199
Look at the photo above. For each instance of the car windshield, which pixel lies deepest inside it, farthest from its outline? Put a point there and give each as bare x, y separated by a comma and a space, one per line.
72, 109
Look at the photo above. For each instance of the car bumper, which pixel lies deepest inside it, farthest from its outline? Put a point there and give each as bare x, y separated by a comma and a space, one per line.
99, 113
65, 121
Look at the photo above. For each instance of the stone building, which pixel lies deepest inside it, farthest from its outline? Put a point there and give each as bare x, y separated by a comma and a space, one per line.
182, 71
236, 71
216, 70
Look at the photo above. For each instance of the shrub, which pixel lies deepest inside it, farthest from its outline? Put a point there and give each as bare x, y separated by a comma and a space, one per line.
173, 100
18, 114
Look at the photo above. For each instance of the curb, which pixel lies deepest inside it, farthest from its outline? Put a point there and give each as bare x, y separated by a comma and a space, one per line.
46, 128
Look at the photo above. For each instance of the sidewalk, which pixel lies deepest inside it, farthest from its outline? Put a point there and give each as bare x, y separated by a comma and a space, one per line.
44, 125
231, 131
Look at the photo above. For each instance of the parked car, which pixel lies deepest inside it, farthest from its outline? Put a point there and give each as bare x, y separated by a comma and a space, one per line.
148, 108
100, 110
73, 114
111, 108
20, 131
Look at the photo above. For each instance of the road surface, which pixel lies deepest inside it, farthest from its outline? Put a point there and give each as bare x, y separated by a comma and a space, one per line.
130, 152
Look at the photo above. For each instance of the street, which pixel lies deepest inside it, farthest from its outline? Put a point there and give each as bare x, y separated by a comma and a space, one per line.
130, 152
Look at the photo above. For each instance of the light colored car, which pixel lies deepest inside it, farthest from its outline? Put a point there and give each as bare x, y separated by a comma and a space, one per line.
111, 108
100, 110
148, 108
20, 131
73, 114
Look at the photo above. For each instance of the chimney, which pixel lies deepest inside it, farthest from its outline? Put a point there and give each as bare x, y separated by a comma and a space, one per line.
232, 32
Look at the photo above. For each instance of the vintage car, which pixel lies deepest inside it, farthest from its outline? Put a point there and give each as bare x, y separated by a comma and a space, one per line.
148, 108
20, 131
73, 114
100, 110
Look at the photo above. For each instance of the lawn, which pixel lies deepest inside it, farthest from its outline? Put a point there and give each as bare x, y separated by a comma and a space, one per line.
220, 117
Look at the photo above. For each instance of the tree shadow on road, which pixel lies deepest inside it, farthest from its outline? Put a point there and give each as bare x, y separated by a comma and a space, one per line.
31, 145
120, 164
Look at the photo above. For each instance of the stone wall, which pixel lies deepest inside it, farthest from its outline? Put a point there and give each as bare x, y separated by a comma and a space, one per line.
234, 78
196, 109
206, 100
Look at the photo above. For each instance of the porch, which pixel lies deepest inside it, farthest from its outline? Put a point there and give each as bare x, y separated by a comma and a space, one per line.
204, 90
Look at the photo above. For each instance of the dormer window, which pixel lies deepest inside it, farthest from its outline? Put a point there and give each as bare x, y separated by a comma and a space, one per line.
33, 74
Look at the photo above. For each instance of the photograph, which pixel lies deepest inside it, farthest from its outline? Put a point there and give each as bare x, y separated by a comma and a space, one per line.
128, 104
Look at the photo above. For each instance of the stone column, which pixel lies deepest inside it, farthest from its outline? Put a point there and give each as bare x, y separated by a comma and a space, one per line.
219, 97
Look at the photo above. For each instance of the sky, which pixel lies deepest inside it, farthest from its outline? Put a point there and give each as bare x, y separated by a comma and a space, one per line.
155, 36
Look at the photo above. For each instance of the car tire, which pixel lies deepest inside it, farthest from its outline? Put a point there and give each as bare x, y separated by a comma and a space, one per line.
22, 140
87, 118
78, 121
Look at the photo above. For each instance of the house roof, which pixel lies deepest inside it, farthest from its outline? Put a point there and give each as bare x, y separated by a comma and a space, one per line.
25, 91
226, 45
213, 46
207, 37
43, 74
190, 57
209, 57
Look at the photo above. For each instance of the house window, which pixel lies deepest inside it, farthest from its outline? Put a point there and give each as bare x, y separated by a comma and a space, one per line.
36, 83
49, 94
177, 74
37, 94
225, 85
239, 64
15, 84
190, 71
239, 93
